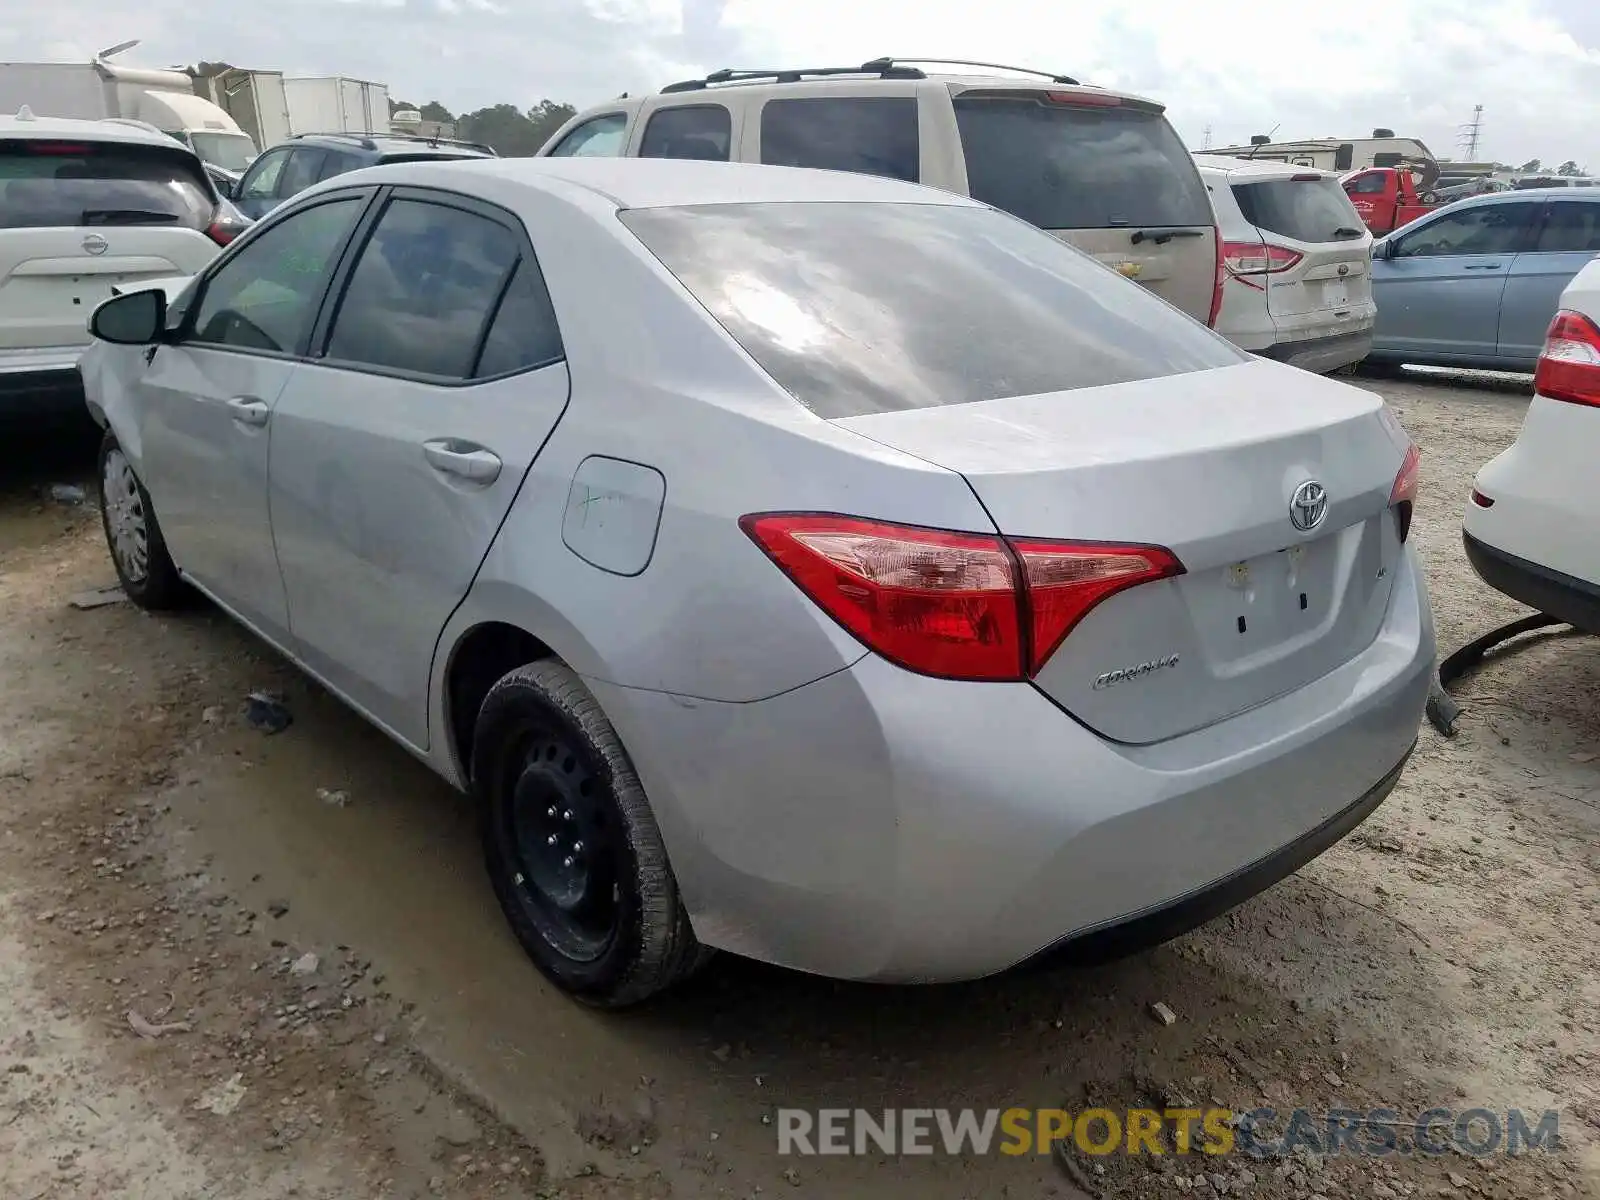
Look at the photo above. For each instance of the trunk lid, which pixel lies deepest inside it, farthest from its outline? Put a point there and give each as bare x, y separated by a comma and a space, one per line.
1205, 464
1307, 214
80, 218
51, 279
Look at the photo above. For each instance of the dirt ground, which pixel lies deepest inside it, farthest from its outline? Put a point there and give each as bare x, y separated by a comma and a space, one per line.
239, 965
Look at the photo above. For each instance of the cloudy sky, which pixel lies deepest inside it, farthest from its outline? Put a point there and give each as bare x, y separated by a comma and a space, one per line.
1236, 66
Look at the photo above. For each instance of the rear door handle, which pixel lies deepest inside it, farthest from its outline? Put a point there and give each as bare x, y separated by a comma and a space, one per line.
248, 410
1483, 266
464, 460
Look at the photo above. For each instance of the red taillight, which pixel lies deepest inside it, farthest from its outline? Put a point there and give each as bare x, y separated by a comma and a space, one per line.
1403, 495
1258, 258
1086, 99
1569, 364
1481, 500
954, 605
1218, 282
227, 223
55, 149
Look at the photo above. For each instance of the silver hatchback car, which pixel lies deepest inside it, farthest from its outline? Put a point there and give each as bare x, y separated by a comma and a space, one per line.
809, 565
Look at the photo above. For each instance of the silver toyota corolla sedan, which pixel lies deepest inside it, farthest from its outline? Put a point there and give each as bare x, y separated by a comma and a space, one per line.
803, 564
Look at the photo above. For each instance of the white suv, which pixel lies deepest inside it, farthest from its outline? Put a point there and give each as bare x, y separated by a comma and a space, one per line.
1297, 280
1532, 525
86, 209
1102, 170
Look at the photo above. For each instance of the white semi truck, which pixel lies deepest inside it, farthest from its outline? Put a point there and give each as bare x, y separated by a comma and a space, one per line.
100, 89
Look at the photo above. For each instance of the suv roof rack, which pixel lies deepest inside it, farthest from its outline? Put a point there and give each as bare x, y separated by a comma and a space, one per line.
367, 140
883, 68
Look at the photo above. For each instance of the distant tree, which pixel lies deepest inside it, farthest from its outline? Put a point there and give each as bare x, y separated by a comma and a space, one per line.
513, 134
431, 111
1569, 168
1533, 166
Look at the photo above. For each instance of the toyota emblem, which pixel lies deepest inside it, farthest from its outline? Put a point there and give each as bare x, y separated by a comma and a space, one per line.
1308, 506
95, 244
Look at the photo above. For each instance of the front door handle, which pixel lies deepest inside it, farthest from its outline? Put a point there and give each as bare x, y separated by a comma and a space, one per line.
1483, 266
464, 460
248, 410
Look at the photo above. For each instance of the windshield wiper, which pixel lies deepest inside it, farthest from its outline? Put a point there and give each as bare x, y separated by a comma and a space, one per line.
1162, 236
128, 216
1344, 231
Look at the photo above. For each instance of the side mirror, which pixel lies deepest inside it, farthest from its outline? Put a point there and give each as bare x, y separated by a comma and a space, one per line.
136, 319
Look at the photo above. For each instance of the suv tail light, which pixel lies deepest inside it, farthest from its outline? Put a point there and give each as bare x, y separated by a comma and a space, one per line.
1258, 258
952, 605
1403, 495
1220, 279
1569, 364
227, 223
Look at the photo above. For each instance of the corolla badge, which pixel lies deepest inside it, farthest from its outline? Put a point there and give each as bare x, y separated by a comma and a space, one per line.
95, 244
1138, 671
1308, 506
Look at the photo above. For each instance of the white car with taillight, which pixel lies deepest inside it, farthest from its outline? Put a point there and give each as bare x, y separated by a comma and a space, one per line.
1296, 259
87, 209
1532, 525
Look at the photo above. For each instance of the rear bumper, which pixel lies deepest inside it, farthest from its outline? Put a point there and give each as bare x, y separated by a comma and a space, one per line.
1575, 601
1322, 354
880, 825
41, 384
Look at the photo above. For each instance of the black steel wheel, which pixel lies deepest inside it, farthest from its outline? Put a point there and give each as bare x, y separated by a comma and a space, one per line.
572, 849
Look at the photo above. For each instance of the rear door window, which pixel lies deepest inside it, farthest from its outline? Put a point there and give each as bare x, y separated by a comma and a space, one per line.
1076, 166
421, 294
53, 183
1307, 210
872, 135
1570, 226
697, 131
859, 308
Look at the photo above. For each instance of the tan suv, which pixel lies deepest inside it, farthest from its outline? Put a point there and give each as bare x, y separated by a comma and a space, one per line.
1103, 170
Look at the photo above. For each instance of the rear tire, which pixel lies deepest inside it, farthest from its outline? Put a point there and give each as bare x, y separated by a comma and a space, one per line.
572, 849
133, 535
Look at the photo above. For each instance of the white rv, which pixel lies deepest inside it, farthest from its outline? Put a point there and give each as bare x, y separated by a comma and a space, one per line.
1339, 155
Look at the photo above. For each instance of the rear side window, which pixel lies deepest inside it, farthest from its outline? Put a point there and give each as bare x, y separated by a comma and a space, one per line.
873, 135
600, 138
860, 308
1067, 166
1307, 210
1570, 226
699, 131
523, 334
66, 183
422, 291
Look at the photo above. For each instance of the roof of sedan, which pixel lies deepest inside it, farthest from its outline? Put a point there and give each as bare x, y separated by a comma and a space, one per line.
666, 182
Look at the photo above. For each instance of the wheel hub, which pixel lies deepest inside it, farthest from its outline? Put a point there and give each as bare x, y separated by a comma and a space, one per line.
563, 845
125, 517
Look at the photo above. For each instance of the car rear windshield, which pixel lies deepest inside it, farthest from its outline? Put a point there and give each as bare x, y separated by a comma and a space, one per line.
861, 308
1066, 166
1308, 210
66, 183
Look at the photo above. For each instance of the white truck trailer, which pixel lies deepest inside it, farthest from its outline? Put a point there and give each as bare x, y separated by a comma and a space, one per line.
336, 104
98, 90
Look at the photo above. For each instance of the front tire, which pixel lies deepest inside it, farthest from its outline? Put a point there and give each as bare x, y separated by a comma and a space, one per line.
133, 535
572, 849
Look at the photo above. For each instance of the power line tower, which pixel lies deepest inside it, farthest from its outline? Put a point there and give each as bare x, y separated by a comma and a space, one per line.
1470, 134
1207, 146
